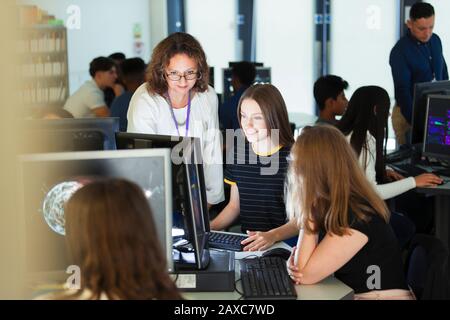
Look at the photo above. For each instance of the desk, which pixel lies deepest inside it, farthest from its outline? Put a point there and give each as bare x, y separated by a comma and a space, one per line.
441, 210
328, 289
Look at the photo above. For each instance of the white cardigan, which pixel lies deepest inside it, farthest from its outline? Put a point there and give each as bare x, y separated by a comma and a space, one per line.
151, 114
386, 190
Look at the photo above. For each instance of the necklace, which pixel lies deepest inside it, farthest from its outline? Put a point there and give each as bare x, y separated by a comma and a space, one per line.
186, 121
180, 123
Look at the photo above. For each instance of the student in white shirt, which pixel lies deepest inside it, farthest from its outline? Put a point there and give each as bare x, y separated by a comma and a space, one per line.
176, 100
89, 100
365, 125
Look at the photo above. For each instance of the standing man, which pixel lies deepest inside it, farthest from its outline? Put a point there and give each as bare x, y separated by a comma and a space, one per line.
417, 57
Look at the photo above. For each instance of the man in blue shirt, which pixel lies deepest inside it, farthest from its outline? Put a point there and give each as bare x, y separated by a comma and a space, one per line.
242, 76
133, 75
417, 57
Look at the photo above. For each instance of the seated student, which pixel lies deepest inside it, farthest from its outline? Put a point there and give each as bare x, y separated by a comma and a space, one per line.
118, 89
133, 75
50, 113
111, 236
330, 98
257, 172
365, 125
89, 101
359, 246
242, 76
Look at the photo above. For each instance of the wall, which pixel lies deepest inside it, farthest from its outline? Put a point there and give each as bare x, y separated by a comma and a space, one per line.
284, 42
212, 22
361, 40
105, 27
442, 25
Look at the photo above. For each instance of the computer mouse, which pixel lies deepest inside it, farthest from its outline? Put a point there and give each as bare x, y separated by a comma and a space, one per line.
277, 252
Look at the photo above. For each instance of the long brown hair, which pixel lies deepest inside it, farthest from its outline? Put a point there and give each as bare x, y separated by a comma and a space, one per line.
111, 236
327, 181
176, 43
273, 108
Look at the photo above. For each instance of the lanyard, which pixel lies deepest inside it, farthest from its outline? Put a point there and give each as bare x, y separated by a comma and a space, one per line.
187, 116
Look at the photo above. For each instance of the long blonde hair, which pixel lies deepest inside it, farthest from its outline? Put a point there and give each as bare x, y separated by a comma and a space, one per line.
325, 181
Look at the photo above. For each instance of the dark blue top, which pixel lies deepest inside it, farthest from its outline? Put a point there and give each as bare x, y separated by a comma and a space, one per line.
412, 62
119, 109
228, 116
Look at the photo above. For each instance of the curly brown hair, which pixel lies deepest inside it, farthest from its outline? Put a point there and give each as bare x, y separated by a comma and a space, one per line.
176, 43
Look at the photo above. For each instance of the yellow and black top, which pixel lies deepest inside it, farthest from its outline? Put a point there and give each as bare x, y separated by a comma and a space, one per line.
260, 179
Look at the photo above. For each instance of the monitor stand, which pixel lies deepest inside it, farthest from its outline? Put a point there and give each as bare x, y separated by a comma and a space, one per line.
218, 276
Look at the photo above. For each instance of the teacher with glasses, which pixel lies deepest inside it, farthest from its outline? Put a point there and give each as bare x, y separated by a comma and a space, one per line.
176, 100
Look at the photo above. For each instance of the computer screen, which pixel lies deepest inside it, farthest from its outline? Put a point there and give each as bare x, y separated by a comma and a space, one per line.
64, 135
211, 76
421, 93
263, 75
437, 128
189, 191
48, 180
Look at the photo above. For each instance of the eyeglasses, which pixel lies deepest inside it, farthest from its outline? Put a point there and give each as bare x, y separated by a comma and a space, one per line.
190, 75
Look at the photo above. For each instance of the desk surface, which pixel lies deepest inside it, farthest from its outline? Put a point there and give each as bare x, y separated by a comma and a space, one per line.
328, 289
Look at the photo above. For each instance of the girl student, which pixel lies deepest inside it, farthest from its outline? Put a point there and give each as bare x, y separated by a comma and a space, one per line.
258, 169
365, 126
111, 235
331, 195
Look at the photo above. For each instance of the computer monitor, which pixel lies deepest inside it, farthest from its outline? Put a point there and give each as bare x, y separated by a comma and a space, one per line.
421, 93
437, 128
211, 76
48, 180
263, 75
189, 190
64, 135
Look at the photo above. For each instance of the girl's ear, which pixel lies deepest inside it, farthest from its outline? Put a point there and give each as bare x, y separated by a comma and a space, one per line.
375, 110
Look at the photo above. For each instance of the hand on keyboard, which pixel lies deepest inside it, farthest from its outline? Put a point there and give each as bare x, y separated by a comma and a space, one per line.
258, 240
428, 180
393, 175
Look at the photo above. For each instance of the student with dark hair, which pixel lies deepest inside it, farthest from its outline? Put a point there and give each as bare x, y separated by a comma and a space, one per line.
365, 126
331, 195
133, 75
176, 100
111, 236
119, 88
242, 76
330, 98
257, 172
416, 57
118, 57
54, 113
89, 100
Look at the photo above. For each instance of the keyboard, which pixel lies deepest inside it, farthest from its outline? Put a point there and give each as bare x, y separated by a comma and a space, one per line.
408, 169
266, 278
226, 241
399, 155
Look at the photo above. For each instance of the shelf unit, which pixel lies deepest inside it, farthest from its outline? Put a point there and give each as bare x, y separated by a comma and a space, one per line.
43, 67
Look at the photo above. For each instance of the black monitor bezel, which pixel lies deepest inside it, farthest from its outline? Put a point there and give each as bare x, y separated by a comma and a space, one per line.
107, 126
419, 105
194, 157
426, 153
